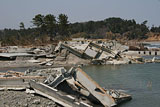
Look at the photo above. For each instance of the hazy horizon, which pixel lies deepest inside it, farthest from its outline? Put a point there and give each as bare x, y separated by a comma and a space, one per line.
14, 12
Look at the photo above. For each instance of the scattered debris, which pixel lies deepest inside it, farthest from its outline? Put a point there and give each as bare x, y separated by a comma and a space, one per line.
76, 52
79, 85
65, 87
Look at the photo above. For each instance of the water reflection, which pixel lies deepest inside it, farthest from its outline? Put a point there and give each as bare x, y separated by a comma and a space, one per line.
139, 80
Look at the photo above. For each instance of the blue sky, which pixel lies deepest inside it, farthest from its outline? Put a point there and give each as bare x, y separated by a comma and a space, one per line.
12, 12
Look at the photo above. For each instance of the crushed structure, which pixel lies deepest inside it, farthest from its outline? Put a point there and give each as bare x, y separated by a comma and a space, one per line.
66, 87
77, 52
96, 53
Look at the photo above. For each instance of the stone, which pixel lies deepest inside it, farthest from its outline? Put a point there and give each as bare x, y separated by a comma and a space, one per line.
28, 91
37, 101
25, 105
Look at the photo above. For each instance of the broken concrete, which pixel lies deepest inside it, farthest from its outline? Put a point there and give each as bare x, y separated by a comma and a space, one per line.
92, 86
51, 93
80, 81
72, 53
72, 88
12, 80
12, 84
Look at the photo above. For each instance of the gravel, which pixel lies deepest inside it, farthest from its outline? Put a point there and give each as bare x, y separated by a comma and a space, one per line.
22, 99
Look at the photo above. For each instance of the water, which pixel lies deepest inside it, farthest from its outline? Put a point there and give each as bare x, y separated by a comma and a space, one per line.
142, 81
151, 45
150, 57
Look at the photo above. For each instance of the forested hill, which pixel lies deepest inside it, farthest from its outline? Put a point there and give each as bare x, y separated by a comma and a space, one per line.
48, 28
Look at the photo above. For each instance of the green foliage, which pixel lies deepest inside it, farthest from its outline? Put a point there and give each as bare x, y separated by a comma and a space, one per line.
21, 25
38, 21
50, 23
115, 25
155, 29
48, 27
63, 25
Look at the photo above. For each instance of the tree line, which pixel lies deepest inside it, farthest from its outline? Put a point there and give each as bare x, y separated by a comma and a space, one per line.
49, 28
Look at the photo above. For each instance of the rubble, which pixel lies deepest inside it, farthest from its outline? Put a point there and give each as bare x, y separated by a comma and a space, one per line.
22, 99
80, 83
66, 87
76, 52
92, 53
69, 88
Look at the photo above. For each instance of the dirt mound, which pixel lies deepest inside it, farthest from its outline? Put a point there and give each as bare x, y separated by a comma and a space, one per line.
153, 37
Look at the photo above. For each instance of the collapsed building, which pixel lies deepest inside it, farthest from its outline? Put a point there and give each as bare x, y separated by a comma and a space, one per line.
77, 52
68, 87
101, 51
73, 53
71, 88
95, 53
144, 49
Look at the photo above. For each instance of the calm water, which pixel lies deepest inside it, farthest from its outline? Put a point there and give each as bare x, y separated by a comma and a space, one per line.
153, 45
142, 81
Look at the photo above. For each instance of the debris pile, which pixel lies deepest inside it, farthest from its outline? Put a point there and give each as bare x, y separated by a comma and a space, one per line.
95, 53
69, 88
81, 52
23, 99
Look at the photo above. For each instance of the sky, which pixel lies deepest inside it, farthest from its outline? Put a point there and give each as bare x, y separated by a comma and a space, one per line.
12, 12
